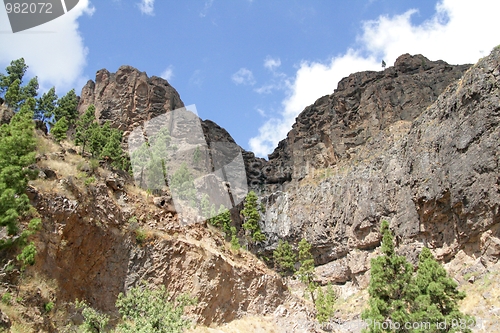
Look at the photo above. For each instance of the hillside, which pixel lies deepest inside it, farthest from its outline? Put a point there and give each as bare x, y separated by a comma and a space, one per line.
415, 144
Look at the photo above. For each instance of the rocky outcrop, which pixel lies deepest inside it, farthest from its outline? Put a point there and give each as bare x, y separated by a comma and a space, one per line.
128, 97
377, 149
89, 247
363, 104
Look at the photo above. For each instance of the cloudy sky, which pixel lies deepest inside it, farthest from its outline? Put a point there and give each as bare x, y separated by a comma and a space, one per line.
250, 65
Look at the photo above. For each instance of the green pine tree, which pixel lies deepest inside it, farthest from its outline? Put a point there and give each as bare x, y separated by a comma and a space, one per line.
205, 207
66, 107
17, 152
15, 71
391, 287
284, 258
113, 151
182, 183
150, 310
30, 90
325, 303
438, 298
46, 105
59, 129
252, 217
85, 127
13, 95
306, 270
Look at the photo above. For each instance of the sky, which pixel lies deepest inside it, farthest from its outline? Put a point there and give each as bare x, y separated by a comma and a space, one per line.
249, 65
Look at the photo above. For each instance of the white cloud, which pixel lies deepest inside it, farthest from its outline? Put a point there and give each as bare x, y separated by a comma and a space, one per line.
243, 76
458, 33
168, 73
54, 51
272, 63
147, 7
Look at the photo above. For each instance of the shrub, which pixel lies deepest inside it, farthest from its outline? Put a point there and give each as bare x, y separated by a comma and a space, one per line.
49, 306
27, 255
94, 321
6, 297
151, 311
140, 236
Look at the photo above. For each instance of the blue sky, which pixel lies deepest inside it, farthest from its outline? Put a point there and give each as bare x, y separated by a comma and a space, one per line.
251, 66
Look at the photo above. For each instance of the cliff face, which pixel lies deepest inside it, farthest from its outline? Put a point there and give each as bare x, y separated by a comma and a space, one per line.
90, 248
363, 104
430, 169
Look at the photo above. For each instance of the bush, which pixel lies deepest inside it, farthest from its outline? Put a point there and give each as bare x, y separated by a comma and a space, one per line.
94, 321
49, 306
151, 311
6, 297
28, 254
140, 236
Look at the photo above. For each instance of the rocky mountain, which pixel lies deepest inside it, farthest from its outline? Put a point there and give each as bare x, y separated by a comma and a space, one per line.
415, 144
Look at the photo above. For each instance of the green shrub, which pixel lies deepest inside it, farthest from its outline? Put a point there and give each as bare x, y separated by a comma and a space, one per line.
94, 321
27, 255
140, 236
89, 180
152, 311
6, 297
49, 306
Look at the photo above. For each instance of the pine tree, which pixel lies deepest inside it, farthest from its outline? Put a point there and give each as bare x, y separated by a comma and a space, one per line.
46, 105
84, 127
306, 270
30, 90
325, 304
438, 298
205, 207
113, 151
391, 287
13, 94
66, 107
252, 217
59, 129
15, 71
17, 152
284, 258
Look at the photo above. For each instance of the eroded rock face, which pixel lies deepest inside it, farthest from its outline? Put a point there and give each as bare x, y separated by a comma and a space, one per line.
128, 97
431, 170
363, 104
88, 246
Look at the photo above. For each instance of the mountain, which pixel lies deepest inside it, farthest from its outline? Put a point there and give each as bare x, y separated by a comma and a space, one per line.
415, 144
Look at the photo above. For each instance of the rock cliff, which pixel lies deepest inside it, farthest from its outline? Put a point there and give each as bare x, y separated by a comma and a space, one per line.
363, 104
103, 236
416, 144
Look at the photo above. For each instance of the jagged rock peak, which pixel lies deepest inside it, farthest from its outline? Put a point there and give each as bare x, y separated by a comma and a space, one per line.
128, 97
